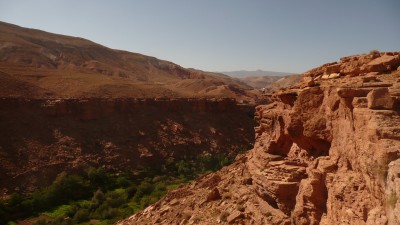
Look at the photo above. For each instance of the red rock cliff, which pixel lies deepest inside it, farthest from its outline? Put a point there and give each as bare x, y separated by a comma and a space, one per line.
40, 138
326, 152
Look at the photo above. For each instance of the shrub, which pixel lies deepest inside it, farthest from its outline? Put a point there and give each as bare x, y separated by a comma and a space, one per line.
268, 214
131, 191
115, 198
72, 210
144, 188
147, 200
122, 181
374, 52
109, 213
183, 167
97, 176
160, 186
98, 196
81, 215
64, 188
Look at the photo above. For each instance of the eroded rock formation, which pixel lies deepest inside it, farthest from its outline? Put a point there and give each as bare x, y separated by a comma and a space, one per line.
39, 138
326, 152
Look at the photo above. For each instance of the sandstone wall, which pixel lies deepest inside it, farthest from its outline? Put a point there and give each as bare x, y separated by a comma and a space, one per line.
349, 141
327, 151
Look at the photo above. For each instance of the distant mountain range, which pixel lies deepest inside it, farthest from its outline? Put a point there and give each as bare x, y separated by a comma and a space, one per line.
255, 73
258, 78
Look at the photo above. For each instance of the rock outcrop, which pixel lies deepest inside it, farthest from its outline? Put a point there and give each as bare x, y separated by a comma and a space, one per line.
358, 65
39, 138
326, 153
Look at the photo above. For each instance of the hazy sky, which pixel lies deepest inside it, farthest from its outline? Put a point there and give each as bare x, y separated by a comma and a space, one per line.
222, 35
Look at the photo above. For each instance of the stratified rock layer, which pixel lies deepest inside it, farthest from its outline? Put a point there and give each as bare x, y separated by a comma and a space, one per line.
325, 154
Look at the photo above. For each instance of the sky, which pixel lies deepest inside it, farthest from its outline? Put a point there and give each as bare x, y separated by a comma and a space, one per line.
222, 35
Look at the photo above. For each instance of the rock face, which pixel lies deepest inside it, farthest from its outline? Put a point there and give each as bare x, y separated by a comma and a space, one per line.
327, 154
358, 65
115, 134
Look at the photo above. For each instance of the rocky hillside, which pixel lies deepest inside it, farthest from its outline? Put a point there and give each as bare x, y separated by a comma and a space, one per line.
42, 138
284, 82
258, 79
38, 64
327, 151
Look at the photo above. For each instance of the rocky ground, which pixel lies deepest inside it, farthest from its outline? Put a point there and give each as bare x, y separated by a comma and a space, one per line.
327, 151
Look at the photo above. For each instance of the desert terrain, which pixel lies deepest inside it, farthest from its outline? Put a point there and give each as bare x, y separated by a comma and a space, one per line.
326, 152
71, 107
93, 135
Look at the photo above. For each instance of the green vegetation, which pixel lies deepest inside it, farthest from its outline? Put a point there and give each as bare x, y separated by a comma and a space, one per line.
268, 214
101, 197
373, 52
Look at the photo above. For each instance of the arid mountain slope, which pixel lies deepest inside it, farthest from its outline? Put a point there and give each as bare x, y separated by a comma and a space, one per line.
327, 152
258, 79
58, 66
261, 81
284, 82
255, 73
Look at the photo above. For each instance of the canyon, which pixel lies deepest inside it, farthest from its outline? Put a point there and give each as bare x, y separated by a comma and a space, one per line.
324, 146
69, 106
41, 138
326, 152
68, 103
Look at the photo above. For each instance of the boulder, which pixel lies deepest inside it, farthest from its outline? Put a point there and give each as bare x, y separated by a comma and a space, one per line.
371, 76
335, 68
384, 63
379, 98
325, 76
234, 216
334, 75
213, 195
308, 81
317, 77
353, 92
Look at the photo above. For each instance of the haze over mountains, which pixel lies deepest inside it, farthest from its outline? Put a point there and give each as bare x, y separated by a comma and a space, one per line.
255, 73
39, 64
263, 79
